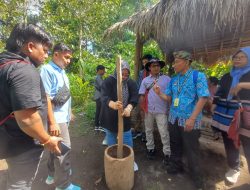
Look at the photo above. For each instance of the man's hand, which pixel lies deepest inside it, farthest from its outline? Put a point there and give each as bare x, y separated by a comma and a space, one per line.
115, 105
54, 130
52, 144
189, 125
157, 89
127, 111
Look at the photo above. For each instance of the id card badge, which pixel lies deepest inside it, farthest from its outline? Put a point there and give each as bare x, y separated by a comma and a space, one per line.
176, 102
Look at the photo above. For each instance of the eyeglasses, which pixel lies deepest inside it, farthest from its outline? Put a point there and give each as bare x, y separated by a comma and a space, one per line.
239, 57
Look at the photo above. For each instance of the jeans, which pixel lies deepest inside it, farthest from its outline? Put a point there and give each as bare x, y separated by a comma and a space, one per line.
59, 165
112, 138
22, 169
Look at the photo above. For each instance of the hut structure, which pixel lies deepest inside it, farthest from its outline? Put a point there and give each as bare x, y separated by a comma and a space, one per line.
210, 29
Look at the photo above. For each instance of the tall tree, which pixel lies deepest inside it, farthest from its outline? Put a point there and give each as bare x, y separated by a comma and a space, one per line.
11, 13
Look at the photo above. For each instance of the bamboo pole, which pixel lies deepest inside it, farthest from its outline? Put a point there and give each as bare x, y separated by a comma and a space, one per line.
120, 118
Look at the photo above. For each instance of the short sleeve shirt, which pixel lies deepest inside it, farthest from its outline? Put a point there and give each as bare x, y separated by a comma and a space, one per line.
53, 78
187, 90
21, 88
155, 103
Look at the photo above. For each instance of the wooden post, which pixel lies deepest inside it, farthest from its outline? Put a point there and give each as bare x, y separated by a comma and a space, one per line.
120, 118
138, 55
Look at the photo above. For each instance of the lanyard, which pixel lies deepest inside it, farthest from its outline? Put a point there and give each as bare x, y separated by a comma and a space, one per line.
180, 87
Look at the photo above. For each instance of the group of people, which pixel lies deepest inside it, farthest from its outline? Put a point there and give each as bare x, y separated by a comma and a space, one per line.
177, 104
35, 109
185, 95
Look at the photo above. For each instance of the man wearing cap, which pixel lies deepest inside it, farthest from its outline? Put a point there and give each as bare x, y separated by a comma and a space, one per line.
155, 108
188, 93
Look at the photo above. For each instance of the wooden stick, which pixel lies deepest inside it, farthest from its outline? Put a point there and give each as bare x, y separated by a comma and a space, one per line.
120, 118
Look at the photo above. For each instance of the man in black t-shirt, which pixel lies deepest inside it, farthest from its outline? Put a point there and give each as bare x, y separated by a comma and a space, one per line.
23, 105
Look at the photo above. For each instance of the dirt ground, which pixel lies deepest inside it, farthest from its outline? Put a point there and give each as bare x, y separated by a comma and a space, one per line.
88, 166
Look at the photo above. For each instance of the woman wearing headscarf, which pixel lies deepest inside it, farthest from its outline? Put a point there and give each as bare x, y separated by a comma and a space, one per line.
109, 114
234, 86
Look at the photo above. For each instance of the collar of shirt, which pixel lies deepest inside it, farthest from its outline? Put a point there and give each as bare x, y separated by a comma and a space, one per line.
186, 74
56, 67
151, 76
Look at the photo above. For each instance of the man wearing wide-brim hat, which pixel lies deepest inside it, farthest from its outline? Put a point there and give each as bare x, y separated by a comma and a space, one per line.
154, 60
155, 108
188, 93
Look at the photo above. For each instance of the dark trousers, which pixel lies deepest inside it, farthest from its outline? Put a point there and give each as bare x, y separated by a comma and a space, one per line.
59, 166
246, 147
97, 112
181, 140
232, 153
22, 169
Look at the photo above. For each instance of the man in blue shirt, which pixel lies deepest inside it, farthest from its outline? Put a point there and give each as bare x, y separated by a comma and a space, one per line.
188, 93
55, 79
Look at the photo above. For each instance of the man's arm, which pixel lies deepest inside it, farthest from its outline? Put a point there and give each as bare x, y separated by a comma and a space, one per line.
54, 129
203, 94
198, 108
30, 123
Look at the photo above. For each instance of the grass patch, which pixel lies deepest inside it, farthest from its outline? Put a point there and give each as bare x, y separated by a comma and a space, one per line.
84, 122
89, 110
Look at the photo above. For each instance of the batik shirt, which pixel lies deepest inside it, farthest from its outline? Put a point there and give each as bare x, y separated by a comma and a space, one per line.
188, 90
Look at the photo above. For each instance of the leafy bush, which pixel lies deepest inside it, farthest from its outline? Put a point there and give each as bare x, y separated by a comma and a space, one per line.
81, 92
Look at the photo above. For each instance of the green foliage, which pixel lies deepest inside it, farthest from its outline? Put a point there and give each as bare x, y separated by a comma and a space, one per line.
75, 22
9, 16
217, 70
151, 47
81, 92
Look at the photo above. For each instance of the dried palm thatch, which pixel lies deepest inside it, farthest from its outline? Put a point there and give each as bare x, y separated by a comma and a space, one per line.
204, 26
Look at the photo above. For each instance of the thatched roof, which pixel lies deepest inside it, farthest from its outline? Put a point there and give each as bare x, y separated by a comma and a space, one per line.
205, 27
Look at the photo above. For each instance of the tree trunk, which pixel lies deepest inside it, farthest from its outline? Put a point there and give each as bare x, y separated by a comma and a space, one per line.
80, 52
138, 55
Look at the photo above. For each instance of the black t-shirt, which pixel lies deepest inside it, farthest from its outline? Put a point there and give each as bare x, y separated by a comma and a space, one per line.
20, 88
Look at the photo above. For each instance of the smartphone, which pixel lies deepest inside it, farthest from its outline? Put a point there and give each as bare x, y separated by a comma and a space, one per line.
64, 148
